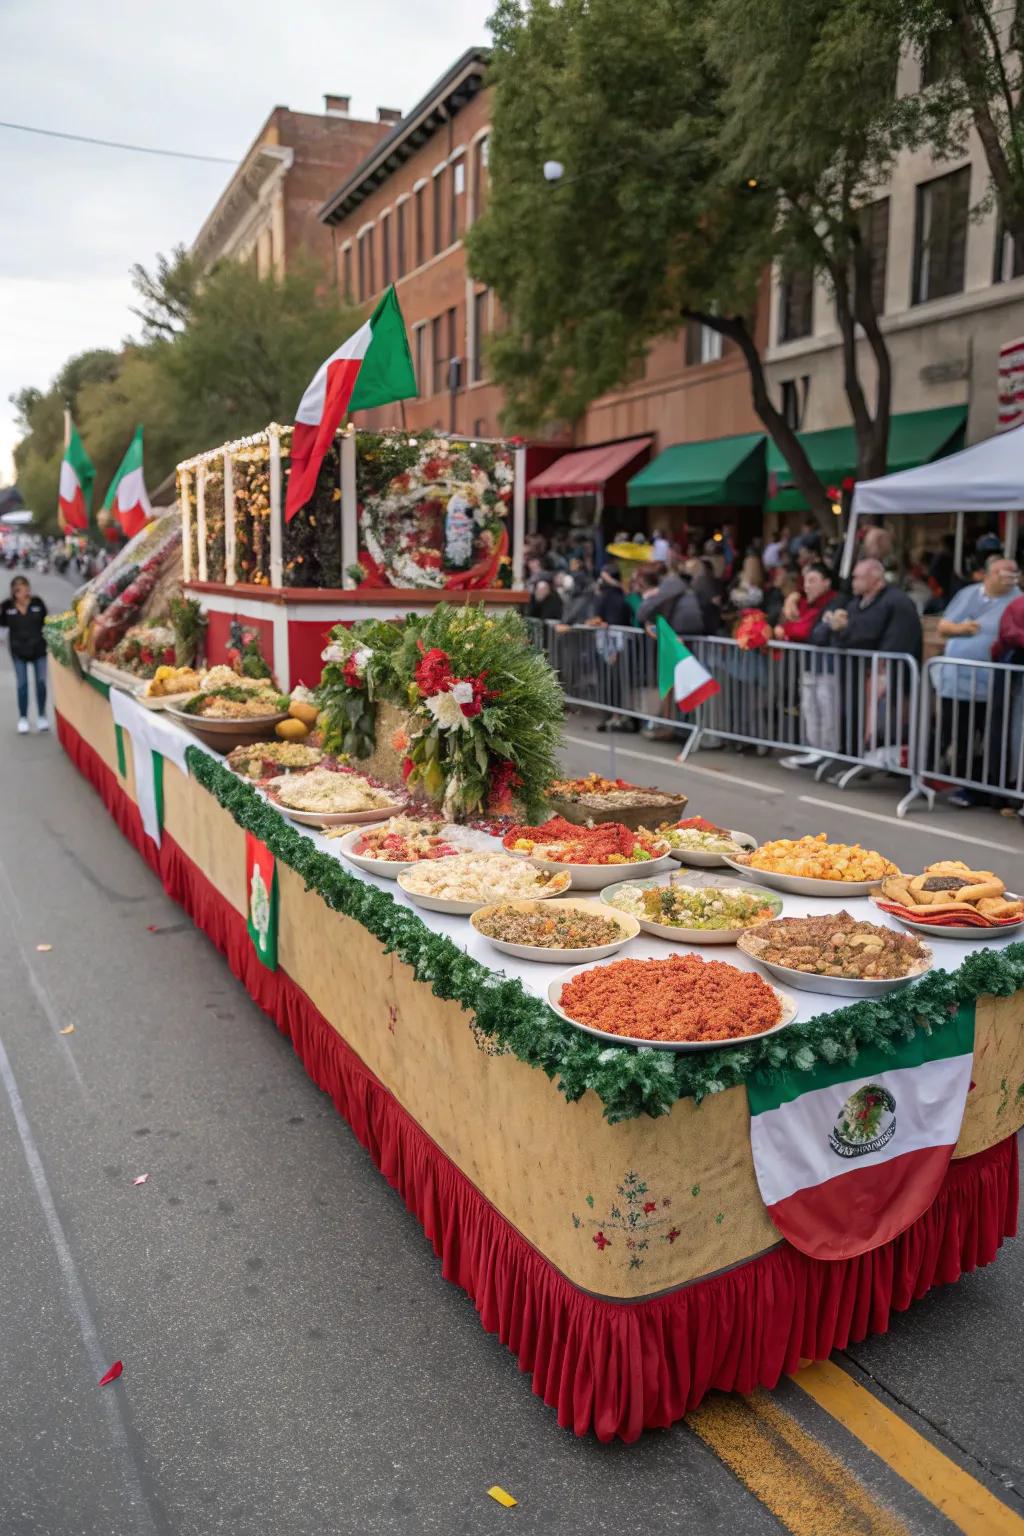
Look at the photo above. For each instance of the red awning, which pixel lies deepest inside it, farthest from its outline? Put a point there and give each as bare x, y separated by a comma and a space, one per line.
587, 470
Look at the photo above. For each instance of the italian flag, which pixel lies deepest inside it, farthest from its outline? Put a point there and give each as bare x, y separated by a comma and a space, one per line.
679, 671
126, 499
848, 1156
74, 496
373, 367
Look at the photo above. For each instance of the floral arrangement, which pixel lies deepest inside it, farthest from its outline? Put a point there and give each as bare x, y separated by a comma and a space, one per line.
144, 648
250, 480
486, 710
213, 503
245, 653
432, 511
312, 540
753, 631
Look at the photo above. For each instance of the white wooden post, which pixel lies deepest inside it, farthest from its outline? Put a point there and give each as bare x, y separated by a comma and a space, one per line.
201, 519
349, 522
518, 518
276, 539
230, 574
186, 525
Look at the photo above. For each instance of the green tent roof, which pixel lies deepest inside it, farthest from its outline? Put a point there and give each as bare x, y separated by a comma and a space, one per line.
723, 471
916, 437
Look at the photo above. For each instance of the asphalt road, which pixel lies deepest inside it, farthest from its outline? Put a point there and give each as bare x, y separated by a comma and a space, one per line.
293, 1361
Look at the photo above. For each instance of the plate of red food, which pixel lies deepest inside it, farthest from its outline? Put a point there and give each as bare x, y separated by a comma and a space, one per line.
391, 846
594, 856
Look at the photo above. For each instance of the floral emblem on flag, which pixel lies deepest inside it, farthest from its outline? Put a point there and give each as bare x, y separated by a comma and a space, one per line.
866, 1122
259, 908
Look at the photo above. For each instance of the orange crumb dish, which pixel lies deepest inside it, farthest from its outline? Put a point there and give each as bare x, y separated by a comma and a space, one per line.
679, 999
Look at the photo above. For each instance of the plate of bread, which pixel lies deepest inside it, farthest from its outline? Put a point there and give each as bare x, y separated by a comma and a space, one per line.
951, 896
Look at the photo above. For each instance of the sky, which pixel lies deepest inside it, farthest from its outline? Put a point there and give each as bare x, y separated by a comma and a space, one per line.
197, 75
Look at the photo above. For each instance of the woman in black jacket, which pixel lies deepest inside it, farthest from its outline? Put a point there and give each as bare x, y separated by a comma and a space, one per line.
22, 616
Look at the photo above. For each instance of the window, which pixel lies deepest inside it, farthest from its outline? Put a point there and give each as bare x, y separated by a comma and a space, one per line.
346, 272
400, 240
703, 344
453, 345
940, 235
385, 250
479, 333
420, 215
363, 291
479, 177
794, 400
419, 341
874, 232
796, 305
938, 58
438, 212
1007, 263
367, 277
438, 356
455, 206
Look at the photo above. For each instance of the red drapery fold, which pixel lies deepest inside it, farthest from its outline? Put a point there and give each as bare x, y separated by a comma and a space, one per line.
615, 1368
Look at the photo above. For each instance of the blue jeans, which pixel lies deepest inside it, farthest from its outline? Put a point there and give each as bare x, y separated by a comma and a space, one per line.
21, 670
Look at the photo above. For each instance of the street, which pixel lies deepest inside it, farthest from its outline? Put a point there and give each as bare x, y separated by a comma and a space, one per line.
293, 1360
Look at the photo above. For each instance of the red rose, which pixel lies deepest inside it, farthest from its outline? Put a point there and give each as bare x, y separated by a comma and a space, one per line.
407, 767
351, 673
433, 469
434, 673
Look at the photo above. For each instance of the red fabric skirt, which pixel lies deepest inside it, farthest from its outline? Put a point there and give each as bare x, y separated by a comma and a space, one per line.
616, 1368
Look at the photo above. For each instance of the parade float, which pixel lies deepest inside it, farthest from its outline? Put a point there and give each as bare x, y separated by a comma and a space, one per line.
701, 1146
397, 522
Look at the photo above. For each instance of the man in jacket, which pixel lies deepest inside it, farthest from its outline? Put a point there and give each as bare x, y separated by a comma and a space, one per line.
879, 618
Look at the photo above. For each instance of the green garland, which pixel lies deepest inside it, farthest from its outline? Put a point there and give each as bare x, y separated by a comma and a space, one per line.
57, 628
629, 1081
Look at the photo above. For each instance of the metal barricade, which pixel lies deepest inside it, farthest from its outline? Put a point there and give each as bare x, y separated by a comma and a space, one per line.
971, 732
607, 668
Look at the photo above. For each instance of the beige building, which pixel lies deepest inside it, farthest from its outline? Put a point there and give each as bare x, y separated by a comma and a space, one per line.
268, 212
951, 298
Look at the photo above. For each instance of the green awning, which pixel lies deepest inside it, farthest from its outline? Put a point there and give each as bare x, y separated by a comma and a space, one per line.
915, 437
723, 471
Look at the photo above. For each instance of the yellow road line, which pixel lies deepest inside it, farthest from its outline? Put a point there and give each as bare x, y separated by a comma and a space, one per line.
965, 1502
808, 1489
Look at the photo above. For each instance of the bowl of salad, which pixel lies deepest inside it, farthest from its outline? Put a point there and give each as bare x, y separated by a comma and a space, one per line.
702, 844
711, 913
595, 856
391, 846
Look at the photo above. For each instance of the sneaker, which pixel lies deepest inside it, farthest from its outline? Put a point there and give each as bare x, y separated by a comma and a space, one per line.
802, 760
23, 726
962, 799
43, 724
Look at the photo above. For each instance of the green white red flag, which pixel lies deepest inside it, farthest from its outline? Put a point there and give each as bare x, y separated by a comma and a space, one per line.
373, 367
849, 1156
679, 671
74, 496
126, 499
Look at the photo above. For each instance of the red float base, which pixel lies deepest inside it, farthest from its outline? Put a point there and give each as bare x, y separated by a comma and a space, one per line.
615, 1368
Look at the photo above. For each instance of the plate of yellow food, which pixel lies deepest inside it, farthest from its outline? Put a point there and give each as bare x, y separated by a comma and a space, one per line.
812, 866
952, 901
167, 685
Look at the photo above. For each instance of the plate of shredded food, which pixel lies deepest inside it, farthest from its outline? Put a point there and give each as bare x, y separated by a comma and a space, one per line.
594, 798
812, 866
594, 856
952, 901
398, 843
325, 798
693, 914
683, 1003
838, 955
269, 759
462, 884
555, 932
702, 844
233, 713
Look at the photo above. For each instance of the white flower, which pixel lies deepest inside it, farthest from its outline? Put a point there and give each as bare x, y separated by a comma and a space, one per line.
361, 658
333, 652
447, 711
462, 693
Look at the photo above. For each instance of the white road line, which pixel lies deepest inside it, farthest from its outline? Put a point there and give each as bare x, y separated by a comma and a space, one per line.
684, 768
98, 1361
905, 826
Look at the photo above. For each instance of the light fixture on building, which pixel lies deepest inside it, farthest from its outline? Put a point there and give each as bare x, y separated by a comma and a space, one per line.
753, 183
717, 537
837, 509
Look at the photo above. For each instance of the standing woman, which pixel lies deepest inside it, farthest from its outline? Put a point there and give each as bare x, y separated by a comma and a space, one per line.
22, 616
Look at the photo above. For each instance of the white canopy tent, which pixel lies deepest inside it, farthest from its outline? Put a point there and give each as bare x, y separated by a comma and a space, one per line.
987, 477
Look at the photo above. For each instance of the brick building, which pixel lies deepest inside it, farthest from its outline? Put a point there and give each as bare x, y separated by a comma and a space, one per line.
269, 210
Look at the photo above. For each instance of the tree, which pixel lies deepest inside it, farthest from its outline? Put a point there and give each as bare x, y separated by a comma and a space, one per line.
167, 295
693, 161
971, 56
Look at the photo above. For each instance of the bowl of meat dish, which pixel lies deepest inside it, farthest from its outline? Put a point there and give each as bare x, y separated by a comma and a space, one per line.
837, 954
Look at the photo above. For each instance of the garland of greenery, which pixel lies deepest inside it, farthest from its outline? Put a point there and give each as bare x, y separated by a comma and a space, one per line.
57, 630
629, 1081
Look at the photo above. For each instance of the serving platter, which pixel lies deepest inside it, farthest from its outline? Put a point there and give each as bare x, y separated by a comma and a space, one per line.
466, 908
787, 1004
580, 812
696, 858
593, 877
804, 885
223, 735
629, 928
337, 818
833, 986
677, 935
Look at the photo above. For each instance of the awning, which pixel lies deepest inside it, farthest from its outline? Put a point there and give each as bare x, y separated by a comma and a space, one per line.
722, 471
587, 470
915, 437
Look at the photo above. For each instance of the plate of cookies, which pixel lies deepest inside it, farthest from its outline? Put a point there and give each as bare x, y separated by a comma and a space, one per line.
952, 898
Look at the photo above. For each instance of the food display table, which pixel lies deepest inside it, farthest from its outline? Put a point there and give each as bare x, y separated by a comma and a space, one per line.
599, 1206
